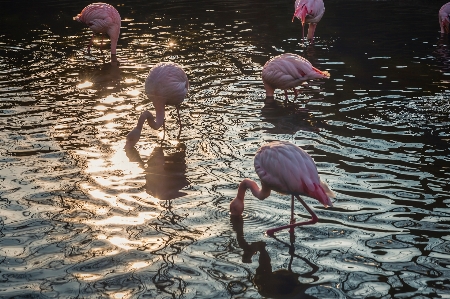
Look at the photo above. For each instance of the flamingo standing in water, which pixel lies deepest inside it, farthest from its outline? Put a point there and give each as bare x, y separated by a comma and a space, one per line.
288, 71
166, 84
444, 21
309, 11
102, 18
285, 168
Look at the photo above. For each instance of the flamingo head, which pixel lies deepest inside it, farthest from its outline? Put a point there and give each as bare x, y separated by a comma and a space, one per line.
237, 206
300, 13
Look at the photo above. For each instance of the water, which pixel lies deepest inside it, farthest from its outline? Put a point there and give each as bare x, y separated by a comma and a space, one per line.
80, 217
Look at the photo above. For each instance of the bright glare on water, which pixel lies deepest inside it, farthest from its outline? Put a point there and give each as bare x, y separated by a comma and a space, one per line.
80, 217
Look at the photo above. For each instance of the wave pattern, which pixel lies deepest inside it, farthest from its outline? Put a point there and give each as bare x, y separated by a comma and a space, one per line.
80, 216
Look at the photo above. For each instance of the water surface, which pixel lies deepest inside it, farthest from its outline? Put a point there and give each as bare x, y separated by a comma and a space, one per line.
81, 217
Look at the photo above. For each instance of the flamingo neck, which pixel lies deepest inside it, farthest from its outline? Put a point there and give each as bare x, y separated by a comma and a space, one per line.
142, 118
311, 30
160, 113
237, 204
114, 45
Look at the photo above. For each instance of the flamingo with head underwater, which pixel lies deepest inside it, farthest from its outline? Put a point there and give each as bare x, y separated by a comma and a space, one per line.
311, 12
444, 20
288, 169
102, 18
287, 71
166, 84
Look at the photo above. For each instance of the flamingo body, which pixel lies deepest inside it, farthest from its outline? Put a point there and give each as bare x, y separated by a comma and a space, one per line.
309, 11
102, 18
444, 20
288, 169
166, 84
288, 71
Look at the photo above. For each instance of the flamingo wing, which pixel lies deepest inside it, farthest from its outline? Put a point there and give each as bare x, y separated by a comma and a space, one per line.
286, 168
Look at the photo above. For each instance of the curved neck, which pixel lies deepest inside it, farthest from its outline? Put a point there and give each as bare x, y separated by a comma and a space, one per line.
237, 204
159, 121
141, 121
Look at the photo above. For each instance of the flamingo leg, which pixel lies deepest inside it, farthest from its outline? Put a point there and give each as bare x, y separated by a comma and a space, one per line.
286, 96
164, 130
295, 93
313, 220
291, 230
179, 117
179, 120
90, 44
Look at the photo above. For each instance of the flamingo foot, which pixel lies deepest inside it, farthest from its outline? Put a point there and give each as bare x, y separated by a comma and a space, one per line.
270, 232
291, 226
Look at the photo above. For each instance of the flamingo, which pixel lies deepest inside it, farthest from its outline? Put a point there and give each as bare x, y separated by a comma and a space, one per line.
444, 13
288, 169
287, 71
166, 84
309, 11
102, 18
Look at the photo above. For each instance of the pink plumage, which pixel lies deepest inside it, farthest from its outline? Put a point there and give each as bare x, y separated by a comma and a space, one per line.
288, 71
285, 168
101, 18
444, 14
166, 84
309, 11
288, 169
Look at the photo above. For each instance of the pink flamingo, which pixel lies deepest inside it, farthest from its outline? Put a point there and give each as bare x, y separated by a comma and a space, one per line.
166, 84
102, 18
309, 11
288, 71
285, 168
444, 13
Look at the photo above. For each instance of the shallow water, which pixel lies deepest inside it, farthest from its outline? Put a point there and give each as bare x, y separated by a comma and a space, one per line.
80, 217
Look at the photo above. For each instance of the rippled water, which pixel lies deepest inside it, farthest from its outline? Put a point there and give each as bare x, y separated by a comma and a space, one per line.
80, 217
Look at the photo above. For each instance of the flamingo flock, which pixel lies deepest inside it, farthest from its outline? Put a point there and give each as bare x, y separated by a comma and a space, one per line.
281, 166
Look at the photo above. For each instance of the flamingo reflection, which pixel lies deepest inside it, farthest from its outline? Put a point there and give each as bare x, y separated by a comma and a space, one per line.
281, 283
165, 175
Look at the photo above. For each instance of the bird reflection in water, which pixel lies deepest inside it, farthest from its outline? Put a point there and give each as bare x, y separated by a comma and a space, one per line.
105, 80
282, 283
165, 175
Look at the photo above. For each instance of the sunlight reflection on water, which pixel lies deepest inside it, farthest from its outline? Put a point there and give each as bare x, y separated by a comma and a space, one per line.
80, 215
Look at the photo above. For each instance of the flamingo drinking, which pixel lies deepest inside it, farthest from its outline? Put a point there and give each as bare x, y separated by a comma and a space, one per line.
309, 11
102, 18
285, 168
166, 84
288, 71
444, 13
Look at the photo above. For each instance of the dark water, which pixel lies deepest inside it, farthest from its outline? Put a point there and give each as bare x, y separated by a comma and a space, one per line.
80, 217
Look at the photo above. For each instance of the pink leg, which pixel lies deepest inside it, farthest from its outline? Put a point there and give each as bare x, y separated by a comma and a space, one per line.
90, 44
179, 120
291, 230
295, 93
313, 220
286, 95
